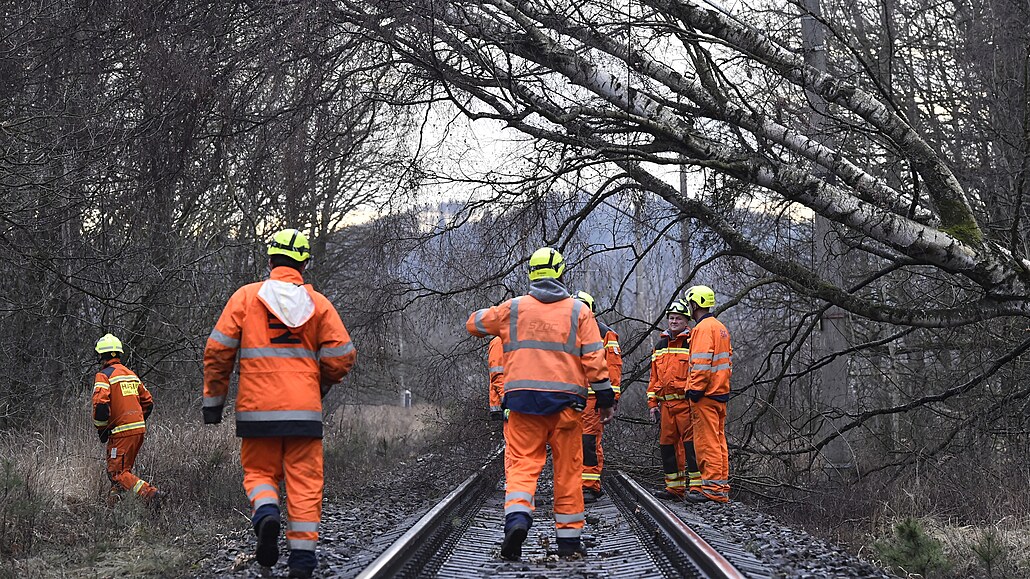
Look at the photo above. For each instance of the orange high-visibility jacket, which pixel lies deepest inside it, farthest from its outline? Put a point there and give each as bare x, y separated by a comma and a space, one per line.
495, 361
552, 347
286, 366
613, 356
670, 368
711, 360
121, 403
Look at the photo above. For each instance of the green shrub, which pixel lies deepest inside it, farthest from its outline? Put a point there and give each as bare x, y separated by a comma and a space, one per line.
911, 550
992, 552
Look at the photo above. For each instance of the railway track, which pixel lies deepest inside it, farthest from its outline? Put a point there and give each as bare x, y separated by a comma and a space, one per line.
628, 534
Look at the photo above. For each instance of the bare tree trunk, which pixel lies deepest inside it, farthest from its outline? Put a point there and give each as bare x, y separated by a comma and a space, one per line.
642, 307
832, 379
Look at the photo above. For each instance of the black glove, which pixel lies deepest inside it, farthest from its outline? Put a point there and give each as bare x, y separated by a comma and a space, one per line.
695, 395
147, 411
104, 435
496, 415
212, 414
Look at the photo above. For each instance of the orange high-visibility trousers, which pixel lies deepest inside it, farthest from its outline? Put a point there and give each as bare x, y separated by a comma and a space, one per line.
121, 457
298, 461
593, 454
527, 437
676, 431
713, 456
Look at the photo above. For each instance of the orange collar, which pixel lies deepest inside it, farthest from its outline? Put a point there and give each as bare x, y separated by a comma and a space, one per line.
287, 274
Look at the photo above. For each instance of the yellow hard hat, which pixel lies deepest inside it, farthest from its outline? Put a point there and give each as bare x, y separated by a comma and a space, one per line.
109, 343
291, 243
546, 263
701, 295
586, 299
678, 307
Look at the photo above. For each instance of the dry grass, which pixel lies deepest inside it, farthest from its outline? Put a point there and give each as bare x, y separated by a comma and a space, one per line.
984, 530
54, 522
381, 423
999, 550
361, 439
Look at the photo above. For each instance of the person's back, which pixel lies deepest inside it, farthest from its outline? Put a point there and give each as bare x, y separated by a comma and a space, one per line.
712, 359
286, 333
292, 349
552, 353
543, 370
130, 401
121, 406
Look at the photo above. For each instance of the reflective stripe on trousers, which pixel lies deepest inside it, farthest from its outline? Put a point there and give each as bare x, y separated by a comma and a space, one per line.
593, 458
527, 437
302, 535
297, 462
261, 495
709, 418
121, 452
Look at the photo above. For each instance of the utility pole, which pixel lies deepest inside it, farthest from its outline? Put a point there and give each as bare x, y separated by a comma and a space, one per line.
833, 393
686, 231
400, 348
642, 303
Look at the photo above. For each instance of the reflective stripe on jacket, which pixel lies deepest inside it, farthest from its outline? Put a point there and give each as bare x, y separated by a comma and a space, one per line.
549, 347
495, 361
284, 371
711, 360
120, 400
670, 368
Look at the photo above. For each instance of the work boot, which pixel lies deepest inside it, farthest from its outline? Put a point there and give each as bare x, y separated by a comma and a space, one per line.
511, 548
156, 499
695, 498
590, 496
666, 495
571, 549
302, 563
268, 541
114, 496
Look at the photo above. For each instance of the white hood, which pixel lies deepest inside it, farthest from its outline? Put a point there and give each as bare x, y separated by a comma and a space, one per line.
288, 302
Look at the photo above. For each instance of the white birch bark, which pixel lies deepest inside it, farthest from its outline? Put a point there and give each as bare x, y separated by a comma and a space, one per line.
532, 64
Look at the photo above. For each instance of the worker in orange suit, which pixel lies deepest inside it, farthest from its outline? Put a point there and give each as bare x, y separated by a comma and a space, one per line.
668, 404
593, 453
121, 406
711, 363
552, 352
292, 349
495, 363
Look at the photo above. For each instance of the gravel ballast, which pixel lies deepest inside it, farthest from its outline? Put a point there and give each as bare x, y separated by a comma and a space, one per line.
356, 530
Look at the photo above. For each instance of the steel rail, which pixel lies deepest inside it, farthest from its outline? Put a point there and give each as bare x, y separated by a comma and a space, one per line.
707, 559
408, 546
677, 549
